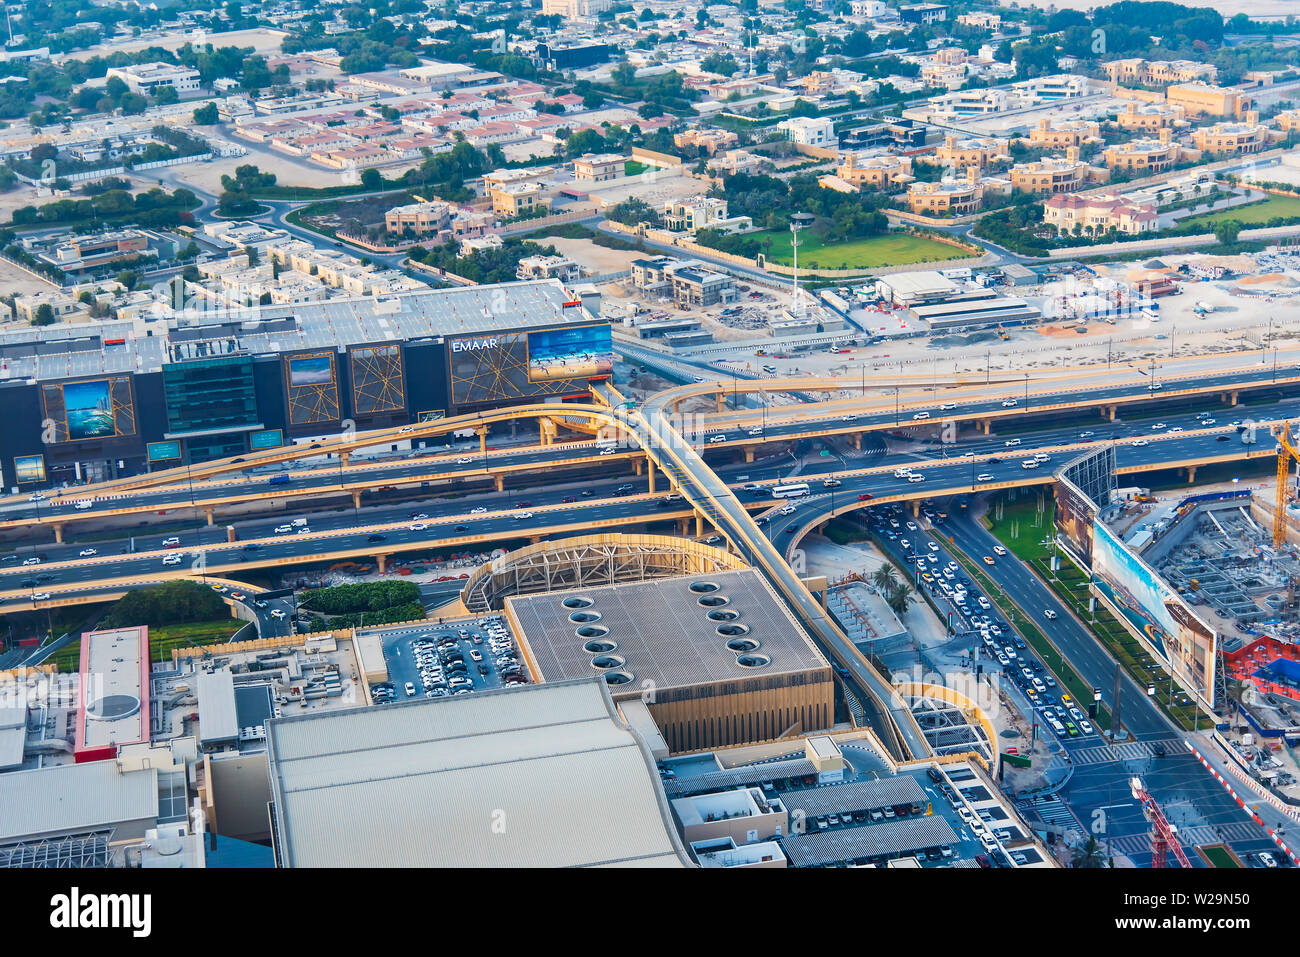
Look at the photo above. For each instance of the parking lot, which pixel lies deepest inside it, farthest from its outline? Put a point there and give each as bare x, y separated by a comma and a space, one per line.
996, 643
458, 656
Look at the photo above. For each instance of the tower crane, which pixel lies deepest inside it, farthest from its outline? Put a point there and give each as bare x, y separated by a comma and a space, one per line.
1164, 836
1286, 451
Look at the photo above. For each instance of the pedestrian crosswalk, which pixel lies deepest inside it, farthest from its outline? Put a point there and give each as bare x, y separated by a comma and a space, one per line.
1139, 845
1051, 810
1112, 753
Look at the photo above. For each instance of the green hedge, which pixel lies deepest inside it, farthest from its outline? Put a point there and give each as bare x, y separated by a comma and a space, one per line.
362, 598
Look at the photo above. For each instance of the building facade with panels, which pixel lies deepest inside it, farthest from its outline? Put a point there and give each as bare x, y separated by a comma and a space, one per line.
117, 398
717, 659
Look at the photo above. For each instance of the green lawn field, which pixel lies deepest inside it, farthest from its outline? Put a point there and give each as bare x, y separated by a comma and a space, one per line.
1253, 214
892, 249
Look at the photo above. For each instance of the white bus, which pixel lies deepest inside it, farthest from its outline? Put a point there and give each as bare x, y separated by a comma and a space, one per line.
790, 491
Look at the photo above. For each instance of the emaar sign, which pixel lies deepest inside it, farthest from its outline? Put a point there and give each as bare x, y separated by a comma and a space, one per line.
474, 345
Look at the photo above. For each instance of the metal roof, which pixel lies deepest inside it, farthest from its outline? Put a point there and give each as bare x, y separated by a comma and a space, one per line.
902, 836
74, 797
663, 632
538, 776
216, 693
737, 777
855, 796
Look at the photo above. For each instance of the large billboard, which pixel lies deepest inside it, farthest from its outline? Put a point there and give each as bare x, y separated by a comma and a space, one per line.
311, 383
29, 468
1165, 624
497, 368
1075, 515
583, 353
378, 383
88, 409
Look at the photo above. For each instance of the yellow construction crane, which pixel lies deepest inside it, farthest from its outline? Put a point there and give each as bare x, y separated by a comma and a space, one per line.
1286, 451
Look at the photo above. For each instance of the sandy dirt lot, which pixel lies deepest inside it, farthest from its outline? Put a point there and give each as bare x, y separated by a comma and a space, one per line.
19, 283
597, 260
263, 40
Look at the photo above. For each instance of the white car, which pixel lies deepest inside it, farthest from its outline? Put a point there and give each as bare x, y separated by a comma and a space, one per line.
914, 477
999, 550
1010, 443
921, 415
786, 510
479, 510
947, 406
902, 473
171, 542
417, 526
984, 477
173, 559
410, 689
31, 561
717, 438
406, 429
464, 461
1140, 443
283, 529
1009, 403
83, 505
277, 613
1029, 464
87, 552
522, 516
849, 418
303, 530
41, 596
607, 451
1176, 428
755, 431
1049, 614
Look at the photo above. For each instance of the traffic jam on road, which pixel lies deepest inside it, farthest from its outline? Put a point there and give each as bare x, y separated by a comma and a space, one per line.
972, 613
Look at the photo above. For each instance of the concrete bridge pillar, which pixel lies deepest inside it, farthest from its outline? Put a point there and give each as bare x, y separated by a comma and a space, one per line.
500, 481
1109, 411
749, 454
534, 539
699, 525
208, 512
986, 424
382, 562
356, 498
1191, 473
345, 457
857, 441
650, 470
915, 505
482, 441
58, 533
1233, 396
722, 401
638, 464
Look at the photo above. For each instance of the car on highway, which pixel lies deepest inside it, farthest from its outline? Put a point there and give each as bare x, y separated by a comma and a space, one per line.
522, 516
755, 432
1009, 403
41, 596
1086, 726
1205, 422
984, 477
717, 438
283, 529
915, 477
303, 530
376, 537
464, 461
175, 558
87, 552
1011, 443
1159, 426
988, 560
608, 450
1140, 443
1176, 428
1029, 464
83, 505
171, 542
831, 483
1049, 614
417, 526
31, 561
947, 406
849, 418
478, 510
786, 510
921, 415
1087, 435
864, 497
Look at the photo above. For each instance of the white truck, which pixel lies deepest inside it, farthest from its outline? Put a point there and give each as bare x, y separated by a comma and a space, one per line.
298, 522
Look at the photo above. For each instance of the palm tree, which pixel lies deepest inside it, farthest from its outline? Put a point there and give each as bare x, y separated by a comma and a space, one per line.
1090, 855
885, 580
901, 598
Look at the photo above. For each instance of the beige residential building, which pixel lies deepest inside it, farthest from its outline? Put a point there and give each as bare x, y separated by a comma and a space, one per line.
420, 218
1201, 99
1235, 139
981, 21
517, 199
1159, 72
702, 212
1065, 134
1150, 117
881, 172
513, 177
574, 9
1097, 215
1056, 174
955, 196
708, 140
1145, 155
598, 167
1288, 121
979, 152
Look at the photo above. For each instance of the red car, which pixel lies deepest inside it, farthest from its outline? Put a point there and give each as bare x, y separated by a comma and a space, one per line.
864, 496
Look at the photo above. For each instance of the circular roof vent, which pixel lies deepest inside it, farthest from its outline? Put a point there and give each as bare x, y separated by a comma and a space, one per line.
577, 601
741, 645
703, 588
112, 707
584, 616
752, 659
725, 614
731, 631
618, 677
591, 631
714, 601
598, 646
606, 662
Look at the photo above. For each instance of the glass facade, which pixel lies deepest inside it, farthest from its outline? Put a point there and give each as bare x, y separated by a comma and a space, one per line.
210, 394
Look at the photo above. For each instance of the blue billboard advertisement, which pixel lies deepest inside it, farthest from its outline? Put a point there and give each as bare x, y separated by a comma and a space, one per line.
269, 439
29, 468
583, 353
90, 410
163, 451
1173, 634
